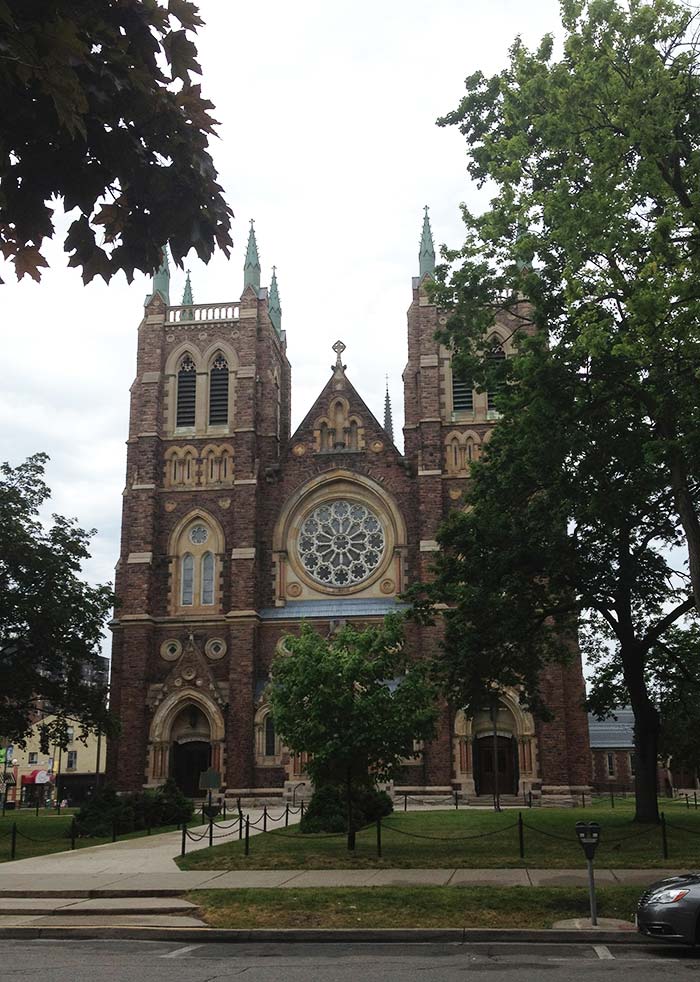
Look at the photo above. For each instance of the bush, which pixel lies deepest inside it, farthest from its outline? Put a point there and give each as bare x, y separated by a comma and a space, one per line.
133, 812
328, 810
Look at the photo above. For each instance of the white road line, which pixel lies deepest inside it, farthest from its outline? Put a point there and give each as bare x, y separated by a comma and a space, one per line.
602, 951
183, 951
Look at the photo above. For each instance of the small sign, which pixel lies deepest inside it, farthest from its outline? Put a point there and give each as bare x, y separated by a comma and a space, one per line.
588, 834
42, 777
210, 780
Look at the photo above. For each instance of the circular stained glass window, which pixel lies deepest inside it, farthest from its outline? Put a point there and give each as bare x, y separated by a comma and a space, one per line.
198, 535
341, 543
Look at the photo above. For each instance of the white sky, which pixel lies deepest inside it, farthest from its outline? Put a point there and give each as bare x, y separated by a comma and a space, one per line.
328, 140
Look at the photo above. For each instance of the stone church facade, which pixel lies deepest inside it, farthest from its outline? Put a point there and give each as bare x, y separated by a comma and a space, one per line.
235, 529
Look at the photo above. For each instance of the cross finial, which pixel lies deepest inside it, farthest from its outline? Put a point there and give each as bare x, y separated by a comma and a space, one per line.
339, 348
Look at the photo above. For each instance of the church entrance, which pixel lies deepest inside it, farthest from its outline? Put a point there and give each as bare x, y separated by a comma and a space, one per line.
191, 749
484, 772
189, 760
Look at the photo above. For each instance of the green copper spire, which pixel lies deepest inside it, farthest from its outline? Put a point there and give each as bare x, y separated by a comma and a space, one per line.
426, 253
161, 281
273, 304
388, 421
251, 267
188, 314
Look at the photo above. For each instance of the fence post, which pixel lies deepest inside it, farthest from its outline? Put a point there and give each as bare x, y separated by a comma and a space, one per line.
72, 833
379, 838
695, 796
521, 835
183, 846
264, 818
612, 798
114, 830
405, 800
13, 841
687, 802
224, 809
456, 800
37, 806
664, 837
240, 827
286, 815
246, 851
302, 808
211, 831
583, 799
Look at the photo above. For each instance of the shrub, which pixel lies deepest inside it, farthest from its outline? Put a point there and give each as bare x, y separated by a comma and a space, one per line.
328, 811
133, 812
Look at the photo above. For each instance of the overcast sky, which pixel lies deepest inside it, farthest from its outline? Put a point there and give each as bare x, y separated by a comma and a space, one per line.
327, 139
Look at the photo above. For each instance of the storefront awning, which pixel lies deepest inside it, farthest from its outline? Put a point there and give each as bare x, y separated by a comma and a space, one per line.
36, 777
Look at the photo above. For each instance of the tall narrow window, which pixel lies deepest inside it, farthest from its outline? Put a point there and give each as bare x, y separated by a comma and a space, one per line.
497, 355
462, 396
186, 392
187, 589
269, 736
208, 578
218, 392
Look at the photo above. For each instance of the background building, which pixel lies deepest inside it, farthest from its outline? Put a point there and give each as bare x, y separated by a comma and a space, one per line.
234, 530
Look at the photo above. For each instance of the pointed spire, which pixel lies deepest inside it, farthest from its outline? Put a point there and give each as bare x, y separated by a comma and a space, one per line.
388, 421
426, 253
161, 281
187, 314
251, 267
273, 304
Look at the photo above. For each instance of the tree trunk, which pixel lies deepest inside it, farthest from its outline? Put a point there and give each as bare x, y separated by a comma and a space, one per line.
683, 499
348, 794
647, 726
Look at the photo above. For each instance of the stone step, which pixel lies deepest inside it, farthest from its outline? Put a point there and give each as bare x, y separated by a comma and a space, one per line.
99, 906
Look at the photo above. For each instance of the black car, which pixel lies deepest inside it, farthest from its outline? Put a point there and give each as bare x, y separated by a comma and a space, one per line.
670, 909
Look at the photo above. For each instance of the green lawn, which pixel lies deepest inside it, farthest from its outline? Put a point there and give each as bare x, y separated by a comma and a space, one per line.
507, 907
471, 838
50, 833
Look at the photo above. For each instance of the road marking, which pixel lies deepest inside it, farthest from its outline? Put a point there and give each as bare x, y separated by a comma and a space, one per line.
602, 951
183, 951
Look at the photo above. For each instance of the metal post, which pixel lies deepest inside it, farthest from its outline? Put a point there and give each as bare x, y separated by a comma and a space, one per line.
302, 808
591, 894
695, 796
240, 827
97, 761
521, 835
529, 799
183, 847
405, 800
612, 797
264, 818
687, 802
13, 841
58, 781
37, 802
456, 800
72, 833
379, 838
246, 851
286, 815
583, 799
664, 838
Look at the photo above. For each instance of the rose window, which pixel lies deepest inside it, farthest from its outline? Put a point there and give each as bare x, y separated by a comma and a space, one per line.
341, 543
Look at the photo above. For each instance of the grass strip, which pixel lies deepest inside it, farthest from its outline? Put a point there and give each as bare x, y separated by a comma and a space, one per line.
424, 907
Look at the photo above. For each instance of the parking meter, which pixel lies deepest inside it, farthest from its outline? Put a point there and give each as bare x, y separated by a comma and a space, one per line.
588, 834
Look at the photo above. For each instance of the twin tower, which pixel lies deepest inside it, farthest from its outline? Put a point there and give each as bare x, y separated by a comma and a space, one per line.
235, 530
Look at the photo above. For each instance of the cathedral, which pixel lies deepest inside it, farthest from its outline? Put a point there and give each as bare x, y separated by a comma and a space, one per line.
235, 530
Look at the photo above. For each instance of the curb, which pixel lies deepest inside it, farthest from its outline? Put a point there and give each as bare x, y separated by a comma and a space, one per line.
206, 935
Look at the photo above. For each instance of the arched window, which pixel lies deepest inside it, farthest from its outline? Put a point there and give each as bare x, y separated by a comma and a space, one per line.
226, 466
270, 737
354, 443
186, 392
187, 578
497, 355
218, 392
207, 578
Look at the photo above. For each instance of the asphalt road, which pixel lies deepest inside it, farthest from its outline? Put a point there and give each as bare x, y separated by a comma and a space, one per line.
154, 961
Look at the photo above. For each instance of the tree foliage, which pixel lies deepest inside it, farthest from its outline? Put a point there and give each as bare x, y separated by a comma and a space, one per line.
354, 701
51, 620
100, 113
589, 255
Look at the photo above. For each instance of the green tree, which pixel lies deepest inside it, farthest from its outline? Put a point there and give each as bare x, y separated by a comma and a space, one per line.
100, 113
51, 620
354, 701
589, 253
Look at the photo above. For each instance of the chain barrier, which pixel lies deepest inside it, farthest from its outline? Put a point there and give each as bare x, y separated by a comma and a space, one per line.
681, 828
449, 838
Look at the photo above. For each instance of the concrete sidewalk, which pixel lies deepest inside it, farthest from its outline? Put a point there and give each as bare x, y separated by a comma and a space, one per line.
110, 883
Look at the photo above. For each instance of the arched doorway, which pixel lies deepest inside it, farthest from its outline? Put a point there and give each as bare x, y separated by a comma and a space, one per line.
191, 748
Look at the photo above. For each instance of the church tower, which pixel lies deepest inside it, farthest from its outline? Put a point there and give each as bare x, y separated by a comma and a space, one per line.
210, 410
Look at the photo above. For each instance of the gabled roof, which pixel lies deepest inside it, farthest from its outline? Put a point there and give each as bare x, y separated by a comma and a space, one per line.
612, 733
